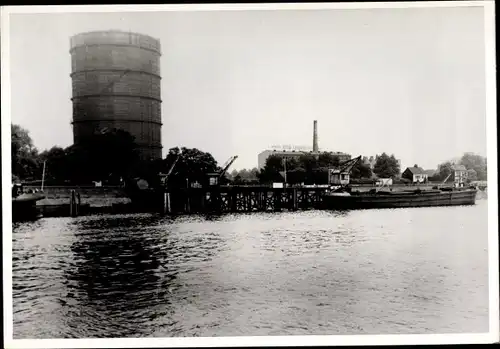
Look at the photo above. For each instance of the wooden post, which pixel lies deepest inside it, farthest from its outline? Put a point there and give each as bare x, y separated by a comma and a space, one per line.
77, 204
166, 203
72, 208
71, 203
294, 200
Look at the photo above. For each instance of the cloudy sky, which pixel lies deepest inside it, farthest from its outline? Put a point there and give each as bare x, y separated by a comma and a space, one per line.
404, 81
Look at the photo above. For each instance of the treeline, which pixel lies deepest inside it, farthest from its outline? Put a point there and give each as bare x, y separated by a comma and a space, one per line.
476, 165
112, 157
313, 169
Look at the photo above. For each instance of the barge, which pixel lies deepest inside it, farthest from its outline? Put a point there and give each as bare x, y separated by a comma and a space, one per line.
387, 199
342, 197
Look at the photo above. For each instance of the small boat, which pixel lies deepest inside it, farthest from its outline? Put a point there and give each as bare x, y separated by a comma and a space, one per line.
399, 199
24, 204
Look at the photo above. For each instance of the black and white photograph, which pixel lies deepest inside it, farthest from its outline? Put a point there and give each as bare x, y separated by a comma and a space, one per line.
249, 174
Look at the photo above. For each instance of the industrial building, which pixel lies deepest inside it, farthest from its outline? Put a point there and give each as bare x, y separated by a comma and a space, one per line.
116, 84
290, 151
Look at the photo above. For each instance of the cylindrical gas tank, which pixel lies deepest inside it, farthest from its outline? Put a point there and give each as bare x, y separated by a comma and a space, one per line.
116, 84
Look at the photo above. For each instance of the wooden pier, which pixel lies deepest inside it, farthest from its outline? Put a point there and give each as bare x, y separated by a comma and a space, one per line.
233, 199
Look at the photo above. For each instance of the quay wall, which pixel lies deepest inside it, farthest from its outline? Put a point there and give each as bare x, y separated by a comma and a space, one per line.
94, 196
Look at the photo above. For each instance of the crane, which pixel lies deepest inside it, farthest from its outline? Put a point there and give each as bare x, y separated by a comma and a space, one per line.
347, 166
226, 166
214, 178
167, 175
339, 176
446, 179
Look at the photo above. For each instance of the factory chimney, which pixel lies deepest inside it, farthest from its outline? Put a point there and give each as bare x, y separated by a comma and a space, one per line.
315, 137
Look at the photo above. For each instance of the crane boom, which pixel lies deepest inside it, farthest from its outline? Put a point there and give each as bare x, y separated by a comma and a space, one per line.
348, 165
446, 179
227, 165
167, 175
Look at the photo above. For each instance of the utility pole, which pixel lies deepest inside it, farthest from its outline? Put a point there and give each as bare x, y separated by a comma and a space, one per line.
43, 174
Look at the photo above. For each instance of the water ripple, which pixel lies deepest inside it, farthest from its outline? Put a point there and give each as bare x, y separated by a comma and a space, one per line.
314, 272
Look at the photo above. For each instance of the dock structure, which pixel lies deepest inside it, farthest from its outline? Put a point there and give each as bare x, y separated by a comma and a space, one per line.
239, 199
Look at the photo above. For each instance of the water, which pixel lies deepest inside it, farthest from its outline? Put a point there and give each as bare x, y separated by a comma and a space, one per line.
404, 271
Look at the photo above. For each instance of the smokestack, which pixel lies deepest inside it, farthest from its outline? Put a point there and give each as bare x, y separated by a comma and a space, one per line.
315, 137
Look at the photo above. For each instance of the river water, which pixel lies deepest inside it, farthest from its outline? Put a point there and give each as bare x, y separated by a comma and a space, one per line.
404, 271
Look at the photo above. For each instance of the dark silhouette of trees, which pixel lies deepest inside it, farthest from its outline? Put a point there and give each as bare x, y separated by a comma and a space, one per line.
445, 170
244, 176
361, 170
106, 156
308, 168
386, 166
25, 161
57, 165
193, 166
271, 171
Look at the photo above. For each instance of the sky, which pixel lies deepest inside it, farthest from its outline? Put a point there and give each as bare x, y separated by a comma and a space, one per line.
408, 82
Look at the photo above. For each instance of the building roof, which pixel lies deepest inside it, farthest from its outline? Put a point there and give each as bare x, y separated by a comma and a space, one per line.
458, 168
430, 172
472, 170
416, 170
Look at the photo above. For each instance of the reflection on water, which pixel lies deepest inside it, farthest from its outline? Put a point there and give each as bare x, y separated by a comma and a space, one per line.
375, 271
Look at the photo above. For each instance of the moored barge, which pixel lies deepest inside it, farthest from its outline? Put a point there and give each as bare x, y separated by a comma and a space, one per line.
399, 199
342, 197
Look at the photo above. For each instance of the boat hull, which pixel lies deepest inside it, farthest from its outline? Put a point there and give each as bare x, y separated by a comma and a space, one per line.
401, 200
24, 207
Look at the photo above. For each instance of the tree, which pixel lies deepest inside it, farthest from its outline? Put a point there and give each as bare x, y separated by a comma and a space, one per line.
271, 171
444, 170
193, 166
361, 170
327, 161
476, 163
109, 155
244, 176
57, 164
25, 162
386, 166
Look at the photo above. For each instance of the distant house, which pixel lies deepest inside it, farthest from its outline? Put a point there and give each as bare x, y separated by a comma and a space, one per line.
461, 174
415, 174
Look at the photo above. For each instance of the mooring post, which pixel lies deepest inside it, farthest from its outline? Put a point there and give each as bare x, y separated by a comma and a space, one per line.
294, 200
72, 204
77, 204
166, 203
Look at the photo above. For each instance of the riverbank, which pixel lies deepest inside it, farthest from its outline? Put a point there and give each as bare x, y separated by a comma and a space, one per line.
114, 200
92, 200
